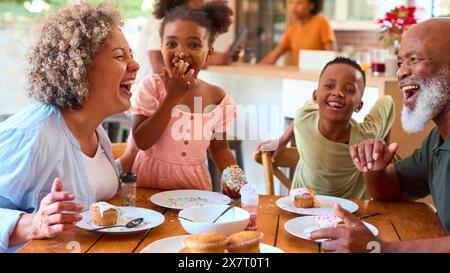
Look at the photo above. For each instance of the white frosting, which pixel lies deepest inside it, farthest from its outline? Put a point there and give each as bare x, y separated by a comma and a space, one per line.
300, 191
103, 206
327, 221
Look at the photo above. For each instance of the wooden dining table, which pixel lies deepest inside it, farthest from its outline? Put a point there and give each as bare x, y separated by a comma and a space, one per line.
396, 221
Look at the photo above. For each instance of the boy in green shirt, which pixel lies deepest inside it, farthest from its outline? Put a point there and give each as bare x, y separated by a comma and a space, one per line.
324, 131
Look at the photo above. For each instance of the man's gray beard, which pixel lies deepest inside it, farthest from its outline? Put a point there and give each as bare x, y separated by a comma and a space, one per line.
432, 98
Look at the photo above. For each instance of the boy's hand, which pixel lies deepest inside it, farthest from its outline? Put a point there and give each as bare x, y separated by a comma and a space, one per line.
179, 81
274, 145
372, 155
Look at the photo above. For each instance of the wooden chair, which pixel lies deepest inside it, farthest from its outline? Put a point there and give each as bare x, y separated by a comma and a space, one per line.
286, 158
118, 149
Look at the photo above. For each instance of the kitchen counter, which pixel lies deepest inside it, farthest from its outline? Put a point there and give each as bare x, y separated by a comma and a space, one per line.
286, 72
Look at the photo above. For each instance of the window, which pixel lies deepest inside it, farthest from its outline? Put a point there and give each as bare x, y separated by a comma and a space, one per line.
440, 8
358, 10
362, 14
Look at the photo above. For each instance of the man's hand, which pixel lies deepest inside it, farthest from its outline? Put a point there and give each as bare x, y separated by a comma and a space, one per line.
372, 155
352, 236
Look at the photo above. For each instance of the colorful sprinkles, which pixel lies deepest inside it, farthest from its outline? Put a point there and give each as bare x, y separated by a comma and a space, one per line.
233, 178
182, 201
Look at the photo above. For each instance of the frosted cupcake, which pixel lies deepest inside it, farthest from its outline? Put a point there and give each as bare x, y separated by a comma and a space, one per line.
244, 242
104, 214
209, 242
303, 197
327, 221
233, 178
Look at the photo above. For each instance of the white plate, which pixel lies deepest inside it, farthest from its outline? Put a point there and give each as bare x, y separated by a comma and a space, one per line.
181, 199
174, 244
303, 226
325, 202
151, 219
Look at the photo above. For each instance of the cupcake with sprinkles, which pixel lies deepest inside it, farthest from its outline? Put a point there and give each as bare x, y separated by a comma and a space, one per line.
104, 214
232, 180
303, 197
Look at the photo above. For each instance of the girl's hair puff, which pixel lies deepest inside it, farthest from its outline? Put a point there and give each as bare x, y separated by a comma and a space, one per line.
215, 16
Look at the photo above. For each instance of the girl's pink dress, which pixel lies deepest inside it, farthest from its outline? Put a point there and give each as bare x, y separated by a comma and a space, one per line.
178, 159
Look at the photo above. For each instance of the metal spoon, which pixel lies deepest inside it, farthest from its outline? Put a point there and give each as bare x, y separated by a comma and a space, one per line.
230, 207
185, 218
131, 224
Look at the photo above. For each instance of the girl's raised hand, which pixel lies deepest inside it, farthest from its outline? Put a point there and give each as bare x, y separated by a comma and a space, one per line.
179, 81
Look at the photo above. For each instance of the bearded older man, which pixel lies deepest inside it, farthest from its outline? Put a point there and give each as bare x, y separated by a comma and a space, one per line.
424, 64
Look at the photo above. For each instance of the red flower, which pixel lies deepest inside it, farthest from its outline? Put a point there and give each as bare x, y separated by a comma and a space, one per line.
395, 21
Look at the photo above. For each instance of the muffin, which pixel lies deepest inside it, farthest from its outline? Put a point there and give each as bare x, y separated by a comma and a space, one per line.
244, 242
303, 197
209, 242
184, 250
104, 214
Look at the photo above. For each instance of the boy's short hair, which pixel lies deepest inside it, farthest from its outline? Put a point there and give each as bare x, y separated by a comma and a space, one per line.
347, 61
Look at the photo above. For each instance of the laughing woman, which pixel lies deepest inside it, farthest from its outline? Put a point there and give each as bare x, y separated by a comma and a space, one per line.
54, 156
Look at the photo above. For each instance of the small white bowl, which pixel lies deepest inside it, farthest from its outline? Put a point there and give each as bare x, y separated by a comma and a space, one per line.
233, 221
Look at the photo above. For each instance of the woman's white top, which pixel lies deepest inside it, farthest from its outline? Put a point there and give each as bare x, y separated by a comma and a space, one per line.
101, 174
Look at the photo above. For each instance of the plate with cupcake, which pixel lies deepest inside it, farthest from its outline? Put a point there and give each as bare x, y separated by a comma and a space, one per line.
303, 226
102, 214
181, 199
212, 242
305, 201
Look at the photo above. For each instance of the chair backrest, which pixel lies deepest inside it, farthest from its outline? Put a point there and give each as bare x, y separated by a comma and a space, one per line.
118, 149
286, 158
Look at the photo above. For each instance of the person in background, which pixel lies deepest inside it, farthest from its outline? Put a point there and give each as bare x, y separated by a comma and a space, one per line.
324, 131
424, 77
309, 31
55, 156
149, 48
176, 116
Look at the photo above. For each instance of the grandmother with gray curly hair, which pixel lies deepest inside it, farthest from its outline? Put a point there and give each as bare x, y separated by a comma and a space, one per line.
56, 159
